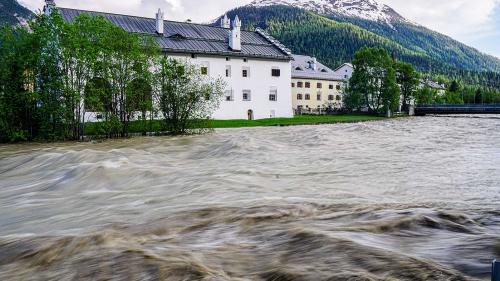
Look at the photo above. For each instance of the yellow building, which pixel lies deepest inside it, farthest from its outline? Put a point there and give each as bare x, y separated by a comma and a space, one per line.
315, 87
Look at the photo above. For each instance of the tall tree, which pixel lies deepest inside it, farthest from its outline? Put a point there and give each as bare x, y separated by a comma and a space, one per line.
407, 78
16, 99
48, 83
373, 82
185, 95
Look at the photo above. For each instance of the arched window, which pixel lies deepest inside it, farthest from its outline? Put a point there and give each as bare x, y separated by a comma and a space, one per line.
98, 95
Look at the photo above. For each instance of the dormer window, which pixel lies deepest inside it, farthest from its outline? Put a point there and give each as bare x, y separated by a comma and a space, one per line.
324, 70
298, 68
177, 36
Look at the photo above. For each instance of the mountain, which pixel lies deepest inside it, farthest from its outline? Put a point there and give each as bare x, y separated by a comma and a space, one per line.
11, 12
364, 9
333, 30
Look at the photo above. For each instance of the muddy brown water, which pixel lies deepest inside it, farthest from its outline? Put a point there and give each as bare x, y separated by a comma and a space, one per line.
405, 199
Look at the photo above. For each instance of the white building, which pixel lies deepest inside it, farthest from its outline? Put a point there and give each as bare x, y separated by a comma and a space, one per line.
255, 66
315, 87
345, 71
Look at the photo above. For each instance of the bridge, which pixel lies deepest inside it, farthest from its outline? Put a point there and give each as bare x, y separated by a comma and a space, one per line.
421, 110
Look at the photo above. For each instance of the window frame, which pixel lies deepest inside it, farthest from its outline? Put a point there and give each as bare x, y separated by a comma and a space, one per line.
273, 92
230, 96
248, 93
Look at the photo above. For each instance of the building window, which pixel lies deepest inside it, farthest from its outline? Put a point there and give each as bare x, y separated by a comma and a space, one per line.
299, 96
246, 72
193, 56
308, 85
339, 98
330, 97
319, 86
204, 70
330, 87
228, 71
273, 95
229, 95
318, 97
228, 59
293, 85
338, 87
245, 60
345, 76
300, 84
276, 72
247, 95
307, 97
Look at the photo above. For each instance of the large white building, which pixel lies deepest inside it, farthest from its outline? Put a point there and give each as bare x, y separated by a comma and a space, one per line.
256, 68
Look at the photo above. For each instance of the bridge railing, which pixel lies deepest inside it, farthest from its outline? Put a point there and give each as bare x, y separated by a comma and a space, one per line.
471, 105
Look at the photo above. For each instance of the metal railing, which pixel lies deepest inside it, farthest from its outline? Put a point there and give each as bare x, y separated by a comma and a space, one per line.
458, 109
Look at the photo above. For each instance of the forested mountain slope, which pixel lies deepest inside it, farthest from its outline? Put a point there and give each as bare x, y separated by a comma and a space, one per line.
11, 12
335, 39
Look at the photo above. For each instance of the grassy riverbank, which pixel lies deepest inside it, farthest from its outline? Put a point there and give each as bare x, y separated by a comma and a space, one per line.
297, 120
135, 127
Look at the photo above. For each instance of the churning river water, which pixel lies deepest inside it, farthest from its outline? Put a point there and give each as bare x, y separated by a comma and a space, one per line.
404, 199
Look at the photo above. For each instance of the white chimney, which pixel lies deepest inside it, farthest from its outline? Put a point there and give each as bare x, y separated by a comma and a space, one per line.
159, 22
225, 22
314, 64
235, 36
50, 5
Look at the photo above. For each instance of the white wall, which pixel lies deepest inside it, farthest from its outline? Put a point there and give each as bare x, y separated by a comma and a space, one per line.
345, 71
260, 83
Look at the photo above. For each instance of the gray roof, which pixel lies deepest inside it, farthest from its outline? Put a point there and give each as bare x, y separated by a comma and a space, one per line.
433, 85
301, 68
183, 37
344, 64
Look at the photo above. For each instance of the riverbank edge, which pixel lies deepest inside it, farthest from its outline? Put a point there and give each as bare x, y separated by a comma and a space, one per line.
137, 128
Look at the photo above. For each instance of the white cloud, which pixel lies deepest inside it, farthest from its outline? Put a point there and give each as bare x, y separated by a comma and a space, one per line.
462, 18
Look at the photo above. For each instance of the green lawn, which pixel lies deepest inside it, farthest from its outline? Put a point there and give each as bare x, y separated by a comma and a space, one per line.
298, 120
156, 125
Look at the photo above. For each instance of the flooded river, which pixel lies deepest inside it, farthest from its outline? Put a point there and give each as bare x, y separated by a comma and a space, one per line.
405, 199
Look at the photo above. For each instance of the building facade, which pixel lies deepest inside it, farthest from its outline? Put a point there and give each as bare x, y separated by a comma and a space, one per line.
256, 67
315, 87
345, 71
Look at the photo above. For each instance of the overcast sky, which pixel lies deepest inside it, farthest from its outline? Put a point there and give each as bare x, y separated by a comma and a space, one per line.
474, 22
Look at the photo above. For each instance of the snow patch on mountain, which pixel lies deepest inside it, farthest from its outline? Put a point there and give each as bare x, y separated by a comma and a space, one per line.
364, 9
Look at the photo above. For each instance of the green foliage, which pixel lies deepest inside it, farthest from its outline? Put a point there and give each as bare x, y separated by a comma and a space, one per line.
425, 96
17, 104
408, 79
373, 84
185, 95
